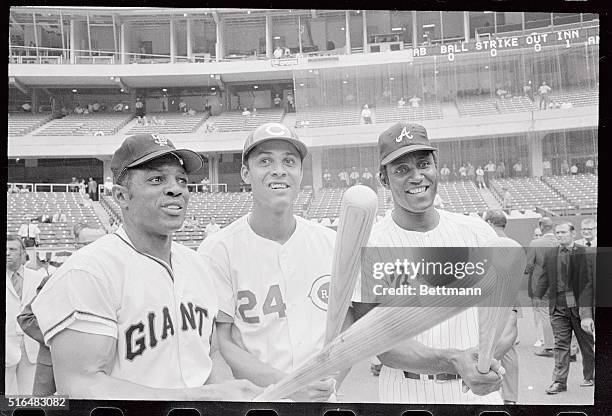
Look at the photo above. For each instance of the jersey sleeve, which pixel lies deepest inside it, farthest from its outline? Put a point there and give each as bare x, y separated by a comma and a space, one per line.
217, 263
76, 300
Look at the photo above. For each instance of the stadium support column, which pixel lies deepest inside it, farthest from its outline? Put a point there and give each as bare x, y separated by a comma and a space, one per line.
213, 168
365, 31
172, 41
189, 42
269, 47
123, 44
415, 31
317, 171
535, 153
466, 26
347, 30
73, 41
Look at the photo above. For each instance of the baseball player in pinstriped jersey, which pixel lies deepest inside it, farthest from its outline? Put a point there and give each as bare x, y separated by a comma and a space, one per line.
431, 367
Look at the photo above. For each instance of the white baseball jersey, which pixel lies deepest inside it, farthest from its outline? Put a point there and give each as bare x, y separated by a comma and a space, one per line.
460, 331
276, 294
161, 315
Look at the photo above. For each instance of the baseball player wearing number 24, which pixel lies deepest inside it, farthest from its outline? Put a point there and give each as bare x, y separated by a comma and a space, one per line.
431, 367
272, 270
131, 315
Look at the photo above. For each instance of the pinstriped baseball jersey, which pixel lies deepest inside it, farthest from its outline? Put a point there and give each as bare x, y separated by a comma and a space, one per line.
460, 331
160, 315
276, 295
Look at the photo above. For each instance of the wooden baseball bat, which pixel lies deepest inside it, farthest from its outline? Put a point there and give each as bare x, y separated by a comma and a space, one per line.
509, 260
357, 213
380, 330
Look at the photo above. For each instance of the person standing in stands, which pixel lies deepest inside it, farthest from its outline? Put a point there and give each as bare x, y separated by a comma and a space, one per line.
92, 189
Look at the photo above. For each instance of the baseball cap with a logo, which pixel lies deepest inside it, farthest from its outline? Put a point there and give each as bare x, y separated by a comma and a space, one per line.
273, 131
402, 138
142, 148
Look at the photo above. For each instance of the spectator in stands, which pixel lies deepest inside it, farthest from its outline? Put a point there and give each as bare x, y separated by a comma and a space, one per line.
471, 173
205, 184
589, 166
190, 222
212, 227
277, 101
573, 169
26, 107
480, 182
92, 188
30, 233
439, 202
14, 189
343, 178
59, 216
401, 103
86, 201
45, 219
501, 169
140, 111
191, 112
489, 172
528, 90
414, 101
506, 198
82, 187
354, 176
546, 167
99, 133
445, 173
95, 107
84, 233
73, 186
182, 106
366, 114
78, 109
454, 175
518, 169
112, 225
25, 189
327, 179
118, 108
286, 51
278, 52
564, 167
544, 92
588, 229
463, 172
246, 113
290, 103
108, 186
368, 179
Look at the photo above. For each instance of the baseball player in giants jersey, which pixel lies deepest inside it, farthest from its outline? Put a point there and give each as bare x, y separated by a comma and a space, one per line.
272, 269
431, 367
131, 315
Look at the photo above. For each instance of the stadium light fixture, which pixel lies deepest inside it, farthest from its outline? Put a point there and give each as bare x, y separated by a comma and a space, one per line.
276, 37
165, 89
112, 78
342, 28
396, 29
74, 90
255, 86
122, 90
391, 78
301, 84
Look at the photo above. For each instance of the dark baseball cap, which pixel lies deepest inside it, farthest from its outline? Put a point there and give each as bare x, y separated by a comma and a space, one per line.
402, 138
142, 148
273, 131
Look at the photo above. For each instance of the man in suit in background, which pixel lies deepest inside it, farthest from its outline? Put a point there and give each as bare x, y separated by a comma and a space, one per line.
566, 278
21, 350
533, 270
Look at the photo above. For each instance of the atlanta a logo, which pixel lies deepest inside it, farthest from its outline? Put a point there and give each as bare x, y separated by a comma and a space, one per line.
405, 133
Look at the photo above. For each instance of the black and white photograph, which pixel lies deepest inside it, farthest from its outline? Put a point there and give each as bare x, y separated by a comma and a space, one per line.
210, 204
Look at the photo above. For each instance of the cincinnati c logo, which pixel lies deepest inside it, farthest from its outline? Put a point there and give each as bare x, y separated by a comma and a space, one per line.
277, 130
405, 133
319, 292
